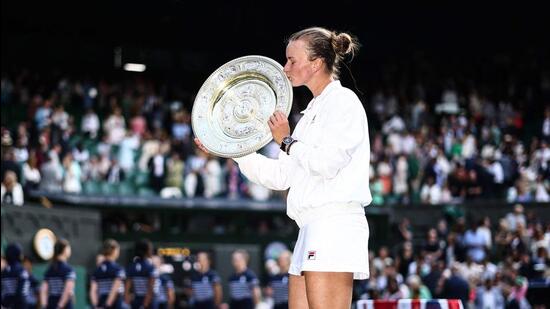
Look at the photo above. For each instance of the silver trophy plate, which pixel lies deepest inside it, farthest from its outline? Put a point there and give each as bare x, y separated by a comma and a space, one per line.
232, 107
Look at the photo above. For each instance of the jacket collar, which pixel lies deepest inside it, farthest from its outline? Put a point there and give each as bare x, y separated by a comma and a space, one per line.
328, 89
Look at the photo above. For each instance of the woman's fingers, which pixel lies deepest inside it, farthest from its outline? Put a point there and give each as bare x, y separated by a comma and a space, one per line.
277, 118
200, 145
280, 116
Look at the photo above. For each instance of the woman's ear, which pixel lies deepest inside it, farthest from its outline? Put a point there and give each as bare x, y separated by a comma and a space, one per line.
317, 64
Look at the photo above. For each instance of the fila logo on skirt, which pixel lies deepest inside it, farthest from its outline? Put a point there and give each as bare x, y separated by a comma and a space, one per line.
311, 255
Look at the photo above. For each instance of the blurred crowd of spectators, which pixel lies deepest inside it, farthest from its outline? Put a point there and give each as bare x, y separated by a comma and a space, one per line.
109, 138
432, 142
502, 264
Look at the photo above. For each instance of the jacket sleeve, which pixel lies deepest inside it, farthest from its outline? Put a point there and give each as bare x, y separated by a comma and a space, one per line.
342, 129
273, 174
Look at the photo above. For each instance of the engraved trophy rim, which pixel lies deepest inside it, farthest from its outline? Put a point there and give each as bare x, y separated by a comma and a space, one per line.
267, 74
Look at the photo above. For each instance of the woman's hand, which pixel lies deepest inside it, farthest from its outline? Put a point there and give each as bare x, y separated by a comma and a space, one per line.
200, 145
278, 124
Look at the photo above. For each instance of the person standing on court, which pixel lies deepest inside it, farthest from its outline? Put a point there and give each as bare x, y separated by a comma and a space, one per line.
244, 286
166, 296
34, 290
278, 284
325, 164
142, 283
15, 279
206, 287
59, 281
107, 282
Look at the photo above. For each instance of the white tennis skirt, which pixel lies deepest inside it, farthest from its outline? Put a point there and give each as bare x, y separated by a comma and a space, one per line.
333, 238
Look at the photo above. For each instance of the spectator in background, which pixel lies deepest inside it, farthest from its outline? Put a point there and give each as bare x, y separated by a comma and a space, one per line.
404, 230
457, 181
431, 279
59, 281
520, 192
60, 118
453, 249
539, 239
394, 124
244, 287
72, 175
471, 271
52, 174
115, 127
469, 145
155, 113
181, 130
80, 154
90, 124
510, 302
393, 291
495, 169
453, 286
15, 279
21, 153
417, 290
432, 246
489, 270
115, 174
540, 266
430, 192
23, 135
138, 125
43, 113
485, 229
545, 132
420, 265
516, 218
103, 147
12, 192
234, 180
442, 229
400, 179
59, 123
382, 259
126, 153
476, 242
384, 172
90, 169
488, 295
157, 171
9, 164
206, 289
107, 281
175, 167
212, 174
542, 190
405, 258
103, 165
5, 139
194, 181
150, 146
